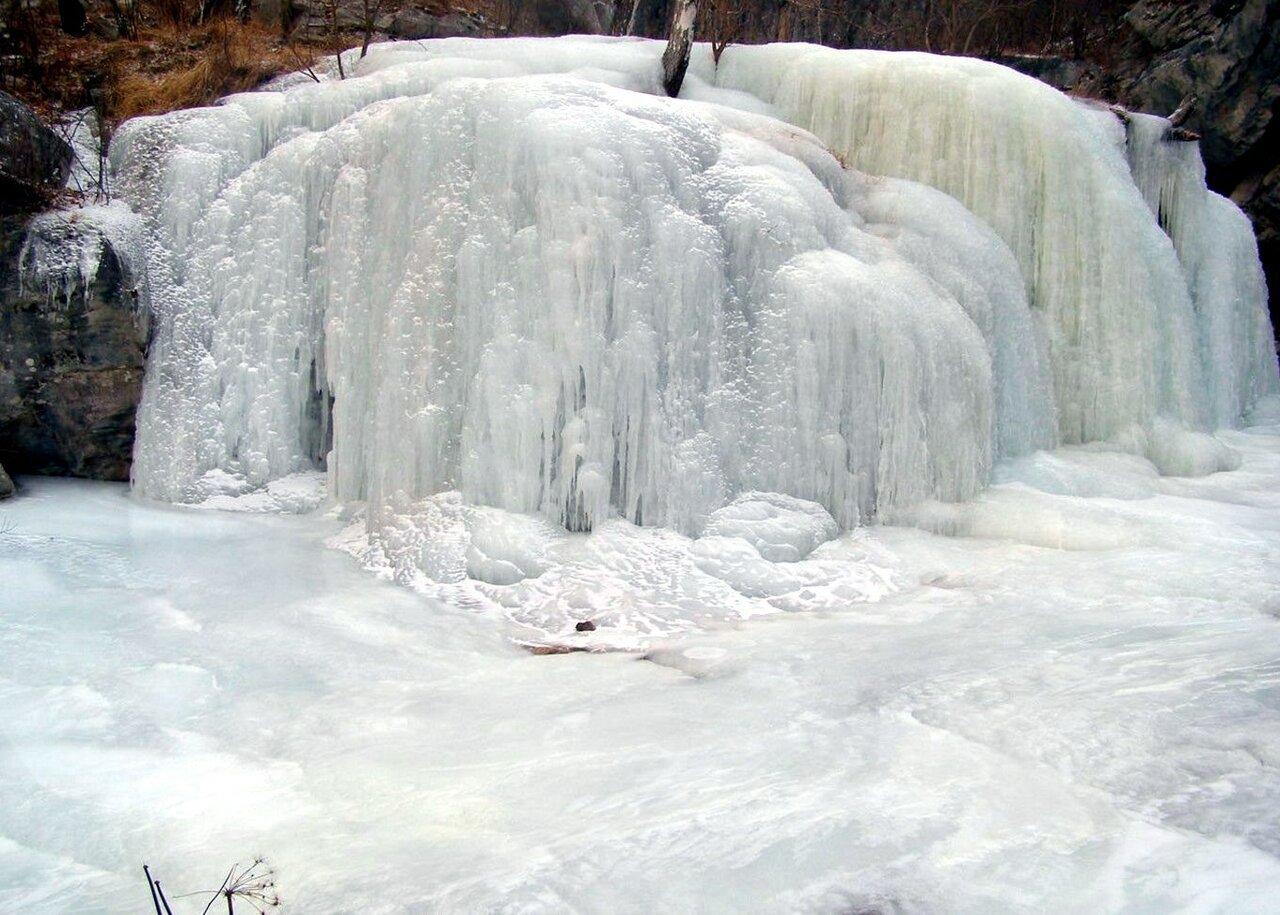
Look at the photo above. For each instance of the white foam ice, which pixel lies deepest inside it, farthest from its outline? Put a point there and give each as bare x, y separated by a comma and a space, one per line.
63, 250
759, 555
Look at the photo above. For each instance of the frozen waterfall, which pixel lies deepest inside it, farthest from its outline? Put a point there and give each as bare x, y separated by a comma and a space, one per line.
1133, 333
510, 269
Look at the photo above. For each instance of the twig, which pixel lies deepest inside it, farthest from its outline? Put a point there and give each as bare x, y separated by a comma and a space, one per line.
160, 890
151, 885
218, 891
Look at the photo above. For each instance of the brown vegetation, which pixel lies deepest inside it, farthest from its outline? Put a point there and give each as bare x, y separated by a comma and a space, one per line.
130, 57
162, 66
218, 59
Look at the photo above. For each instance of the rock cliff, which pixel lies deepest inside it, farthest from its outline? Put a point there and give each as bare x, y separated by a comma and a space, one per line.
72, 340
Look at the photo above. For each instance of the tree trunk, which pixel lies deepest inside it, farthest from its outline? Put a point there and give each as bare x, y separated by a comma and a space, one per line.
675, 59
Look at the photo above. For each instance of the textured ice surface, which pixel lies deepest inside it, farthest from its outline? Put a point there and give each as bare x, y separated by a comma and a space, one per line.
1128, 338
506, 274
561, 298
761, 554
1013, 727
62, 250
1219, 255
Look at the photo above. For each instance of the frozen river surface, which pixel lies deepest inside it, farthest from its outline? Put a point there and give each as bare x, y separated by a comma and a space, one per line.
1074, 707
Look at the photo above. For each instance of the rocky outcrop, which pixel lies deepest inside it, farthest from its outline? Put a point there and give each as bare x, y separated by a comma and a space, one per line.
33, 159
1227, 55
388, 20
6, 484
413, 23
72, 336
72, 341
565, 17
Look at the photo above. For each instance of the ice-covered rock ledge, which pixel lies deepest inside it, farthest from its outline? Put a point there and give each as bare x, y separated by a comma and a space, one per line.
73, 327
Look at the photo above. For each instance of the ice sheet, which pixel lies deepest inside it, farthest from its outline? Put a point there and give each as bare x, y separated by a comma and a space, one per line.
1021, 725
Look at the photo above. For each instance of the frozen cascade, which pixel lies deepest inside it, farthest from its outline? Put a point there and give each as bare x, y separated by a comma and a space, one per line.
1219, 255
559, 295
563, 298
1050, 180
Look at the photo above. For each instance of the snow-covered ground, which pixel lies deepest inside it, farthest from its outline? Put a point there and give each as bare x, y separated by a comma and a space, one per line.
1074, 706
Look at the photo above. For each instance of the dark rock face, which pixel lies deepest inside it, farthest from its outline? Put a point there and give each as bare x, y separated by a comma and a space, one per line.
1065, 73
71, 355
413, 23
33, 159
565, 17
1165, 25
1227, 54
648, 18
6, 485
407, 21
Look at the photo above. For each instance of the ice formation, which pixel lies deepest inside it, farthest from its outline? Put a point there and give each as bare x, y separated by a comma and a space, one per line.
509, 270
1133, 334
62, 250
1219, 258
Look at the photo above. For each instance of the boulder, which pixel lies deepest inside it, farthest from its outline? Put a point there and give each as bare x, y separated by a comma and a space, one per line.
414, 23
33, 159
565, 17
6, 484
605, 14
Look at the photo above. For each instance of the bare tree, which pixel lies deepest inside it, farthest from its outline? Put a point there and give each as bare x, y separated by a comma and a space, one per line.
723, 22
333, 32
369, 12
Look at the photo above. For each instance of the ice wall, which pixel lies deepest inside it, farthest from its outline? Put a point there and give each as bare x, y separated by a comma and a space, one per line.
1126, 343
1218, 253
563, 298
510, 270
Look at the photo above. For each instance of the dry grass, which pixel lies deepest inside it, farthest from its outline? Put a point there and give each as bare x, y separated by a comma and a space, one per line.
165, 66
201, 65
170, 63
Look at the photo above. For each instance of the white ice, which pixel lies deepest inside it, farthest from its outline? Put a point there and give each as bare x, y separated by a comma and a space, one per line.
517, 275
565, 299
1076, 708
1133, 332
539, 300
